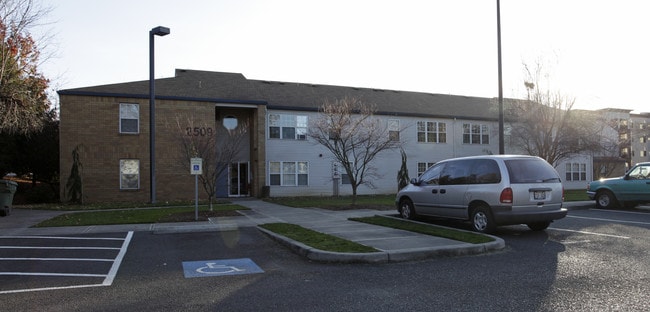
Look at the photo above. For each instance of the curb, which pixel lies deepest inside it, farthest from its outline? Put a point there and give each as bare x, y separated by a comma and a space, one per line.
314, 254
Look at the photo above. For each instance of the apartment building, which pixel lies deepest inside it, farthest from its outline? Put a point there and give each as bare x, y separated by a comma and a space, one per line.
108, 128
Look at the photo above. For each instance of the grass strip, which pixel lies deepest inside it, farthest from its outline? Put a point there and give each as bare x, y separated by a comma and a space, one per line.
316, 239
333, 201
116, 205
463, 236
125, 216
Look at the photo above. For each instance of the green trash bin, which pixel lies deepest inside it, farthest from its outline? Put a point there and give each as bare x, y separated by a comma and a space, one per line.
7, 191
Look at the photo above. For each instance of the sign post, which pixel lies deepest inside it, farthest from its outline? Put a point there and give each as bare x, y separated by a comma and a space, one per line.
196, 169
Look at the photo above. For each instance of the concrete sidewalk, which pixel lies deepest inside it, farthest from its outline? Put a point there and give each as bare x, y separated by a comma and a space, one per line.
393, 245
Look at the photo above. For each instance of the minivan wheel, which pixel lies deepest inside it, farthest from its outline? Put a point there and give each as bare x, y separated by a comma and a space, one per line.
606, 200
406, 209
539, 226
482, 220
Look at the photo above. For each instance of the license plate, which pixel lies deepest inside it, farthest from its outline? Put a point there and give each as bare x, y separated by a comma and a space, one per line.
539, 195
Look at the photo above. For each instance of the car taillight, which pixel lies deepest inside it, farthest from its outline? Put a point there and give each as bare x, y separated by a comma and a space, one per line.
506, 196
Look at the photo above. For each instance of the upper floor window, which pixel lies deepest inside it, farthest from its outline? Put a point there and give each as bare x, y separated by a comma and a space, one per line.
393, 129
290, 127
476, 134
432, 132
129, 118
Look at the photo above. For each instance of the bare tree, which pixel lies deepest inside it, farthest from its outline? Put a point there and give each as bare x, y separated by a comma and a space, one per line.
545, 125
349, 129
218, 148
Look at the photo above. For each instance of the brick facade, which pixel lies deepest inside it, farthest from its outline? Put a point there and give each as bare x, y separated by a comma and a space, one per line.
92, 123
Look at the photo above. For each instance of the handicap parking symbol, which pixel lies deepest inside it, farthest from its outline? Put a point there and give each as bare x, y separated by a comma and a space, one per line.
220, 267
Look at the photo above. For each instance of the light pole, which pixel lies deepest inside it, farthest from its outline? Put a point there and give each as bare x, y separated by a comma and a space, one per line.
157, 31
502, 149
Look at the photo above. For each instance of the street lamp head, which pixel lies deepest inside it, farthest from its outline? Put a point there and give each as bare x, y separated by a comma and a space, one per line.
160, 31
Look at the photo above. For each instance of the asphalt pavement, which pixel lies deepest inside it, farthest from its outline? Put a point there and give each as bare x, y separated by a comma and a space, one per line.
393, 245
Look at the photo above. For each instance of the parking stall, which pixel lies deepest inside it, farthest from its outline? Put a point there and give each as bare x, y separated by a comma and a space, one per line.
33, 263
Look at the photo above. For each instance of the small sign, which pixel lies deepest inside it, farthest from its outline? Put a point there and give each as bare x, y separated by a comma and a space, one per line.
196, 166
220, 267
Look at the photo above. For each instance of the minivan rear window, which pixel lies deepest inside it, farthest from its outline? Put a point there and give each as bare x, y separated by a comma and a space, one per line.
531, 170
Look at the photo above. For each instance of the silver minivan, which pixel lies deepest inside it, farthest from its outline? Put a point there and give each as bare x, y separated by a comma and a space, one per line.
489, 191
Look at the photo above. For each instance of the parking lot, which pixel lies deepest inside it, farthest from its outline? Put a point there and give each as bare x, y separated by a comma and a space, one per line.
592, 260
35, 263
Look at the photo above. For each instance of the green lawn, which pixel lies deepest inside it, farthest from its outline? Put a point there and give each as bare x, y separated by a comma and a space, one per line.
334, 201
575, 195
427, 229
134, 216
315, 239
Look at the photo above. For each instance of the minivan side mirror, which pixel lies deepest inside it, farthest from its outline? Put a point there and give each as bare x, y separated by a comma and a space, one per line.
414, 181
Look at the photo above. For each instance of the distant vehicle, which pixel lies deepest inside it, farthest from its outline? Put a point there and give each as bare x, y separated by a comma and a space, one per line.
627, 191
489, 191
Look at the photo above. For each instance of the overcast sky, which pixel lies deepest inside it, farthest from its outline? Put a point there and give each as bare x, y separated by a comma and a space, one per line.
595, 51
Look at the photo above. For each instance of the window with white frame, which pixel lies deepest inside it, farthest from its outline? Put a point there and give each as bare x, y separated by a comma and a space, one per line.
643, 153
393, 129
288, 173
576, 171
129, 118
288, 127
423, 166
432, 132
129, 174
476, 134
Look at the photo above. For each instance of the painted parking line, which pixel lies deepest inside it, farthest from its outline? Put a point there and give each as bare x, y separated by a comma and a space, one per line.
220, 267
589, 233
108, 277
610, 220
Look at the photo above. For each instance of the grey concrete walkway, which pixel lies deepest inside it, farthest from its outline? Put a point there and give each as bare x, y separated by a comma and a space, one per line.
393, 245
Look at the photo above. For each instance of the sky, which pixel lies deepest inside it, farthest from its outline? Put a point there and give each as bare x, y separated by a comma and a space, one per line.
595, 52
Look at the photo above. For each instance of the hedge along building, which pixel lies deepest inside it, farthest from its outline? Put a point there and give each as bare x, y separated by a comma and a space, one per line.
108, 126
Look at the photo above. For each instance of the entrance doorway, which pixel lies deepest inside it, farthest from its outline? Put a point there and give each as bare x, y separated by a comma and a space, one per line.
239, 178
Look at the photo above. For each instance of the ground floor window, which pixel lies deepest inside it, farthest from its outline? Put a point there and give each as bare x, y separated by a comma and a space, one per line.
288, 173
576, 172
423, 166
129, 174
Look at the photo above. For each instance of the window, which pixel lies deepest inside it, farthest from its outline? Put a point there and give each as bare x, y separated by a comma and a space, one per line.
129, 174
288, 173
230, 122
576, 172
455, 172
287, 127
129, 118
643, 153
393, 129
432, 132
484, 171
476, 134
432, 175
423, 166
643, 139
339, 170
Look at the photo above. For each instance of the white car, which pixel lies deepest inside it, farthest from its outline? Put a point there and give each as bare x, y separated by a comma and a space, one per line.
489, 191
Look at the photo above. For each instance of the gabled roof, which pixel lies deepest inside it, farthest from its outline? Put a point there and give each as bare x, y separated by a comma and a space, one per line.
207, 86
